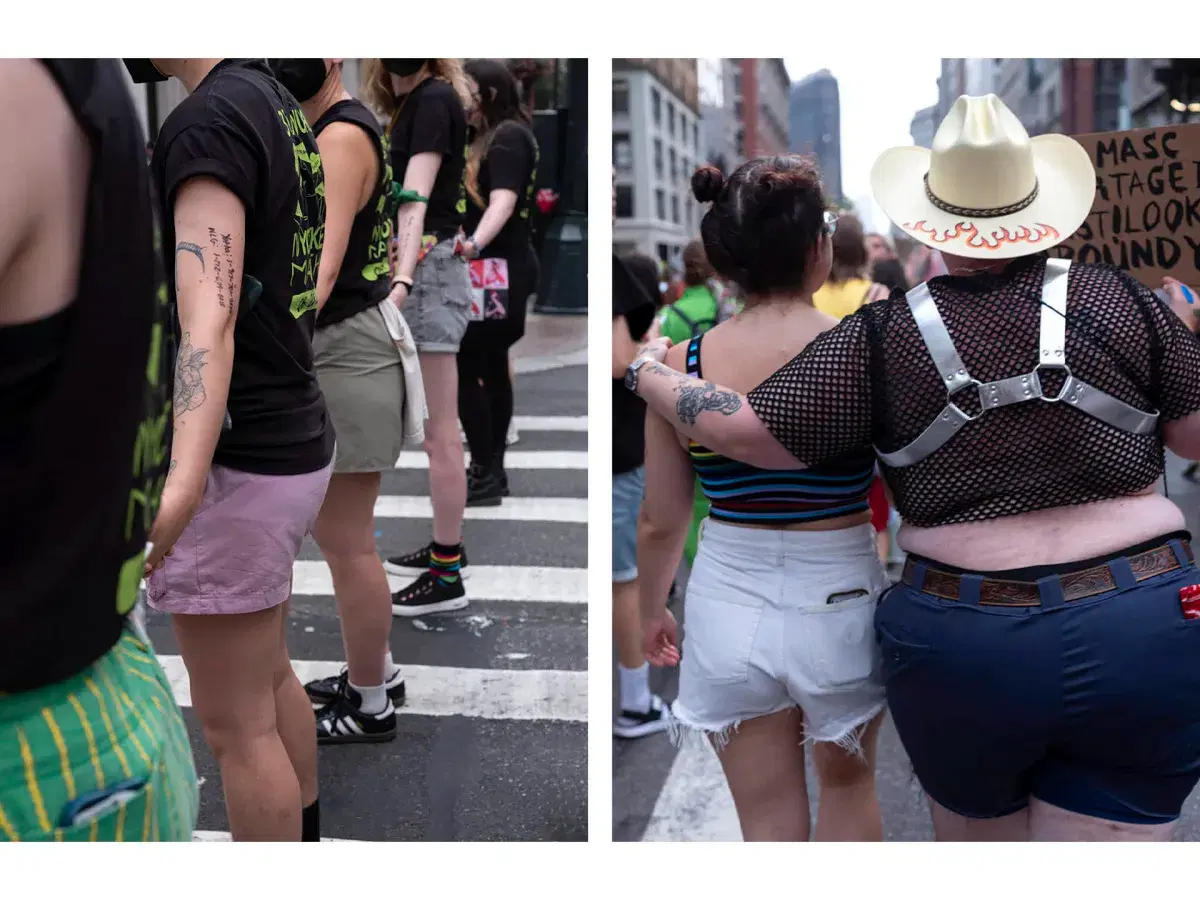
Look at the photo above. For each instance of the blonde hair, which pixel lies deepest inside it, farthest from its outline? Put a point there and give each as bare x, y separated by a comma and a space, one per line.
377, 83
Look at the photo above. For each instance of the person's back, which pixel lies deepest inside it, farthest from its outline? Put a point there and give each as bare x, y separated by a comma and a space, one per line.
85, 368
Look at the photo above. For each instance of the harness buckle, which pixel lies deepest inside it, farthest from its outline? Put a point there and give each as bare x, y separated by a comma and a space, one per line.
952, 392
1062, 391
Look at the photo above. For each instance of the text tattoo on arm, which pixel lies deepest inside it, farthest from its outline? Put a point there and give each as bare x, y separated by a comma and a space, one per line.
217, 279
226, 244
189, 380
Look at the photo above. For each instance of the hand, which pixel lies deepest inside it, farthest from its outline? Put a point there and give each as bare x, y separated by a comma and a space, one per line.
660, 637
173, 516
1178, 294
654, 332
878, 292
656, 348
468, 250
398, 294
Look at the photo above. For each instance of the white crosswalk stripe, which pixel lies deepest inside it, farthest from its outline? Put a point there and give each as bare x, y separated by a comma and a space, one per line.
514, 659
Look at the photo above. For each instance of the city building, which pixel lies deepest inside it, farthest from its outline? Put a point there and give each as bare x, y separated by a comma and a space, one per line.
814, 118
761, 103
656, 143
924, 126
719, 123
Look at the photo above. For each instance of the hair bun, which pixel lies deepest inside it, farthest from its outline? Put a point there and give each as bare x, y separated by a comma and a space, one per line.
707, 183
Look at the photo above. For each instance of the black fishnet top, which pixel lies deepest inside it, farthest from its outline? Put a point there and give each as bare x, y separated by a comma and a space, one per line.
871, 380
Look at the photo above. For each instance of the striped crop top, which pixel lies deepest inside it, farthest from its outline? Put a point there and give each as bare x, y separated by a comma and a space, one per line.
742, 494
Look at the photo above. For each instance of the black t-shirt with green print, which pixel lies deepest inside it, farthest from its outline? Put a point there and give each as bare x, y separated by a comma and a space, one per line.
242, 128
363, 278
431, 120
510, 163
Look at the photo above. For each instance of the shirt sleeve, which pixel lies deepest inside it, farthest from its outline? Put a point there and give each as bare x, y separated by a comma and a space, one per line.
1175, 387
432, 126
818, 406
217, 149
510, 160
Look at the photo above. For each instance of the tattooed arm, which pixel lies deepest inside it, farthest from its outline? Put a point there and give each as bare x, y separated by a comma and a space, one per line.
717, 417
419, 176
210, 241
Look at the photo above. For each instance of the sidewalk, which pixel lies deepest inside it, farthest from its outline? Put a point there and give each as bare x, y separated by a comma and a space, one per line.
551, 342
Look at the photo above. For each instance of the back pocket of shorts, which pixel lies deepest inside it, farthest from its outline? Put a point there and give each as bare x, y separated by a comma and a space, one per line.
719, 635
836, 639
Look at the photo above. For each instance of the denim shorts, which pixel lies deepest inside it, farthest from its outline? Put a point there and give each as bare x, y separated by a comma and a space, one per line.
627, 492
778, 619
1090, 705
439, 305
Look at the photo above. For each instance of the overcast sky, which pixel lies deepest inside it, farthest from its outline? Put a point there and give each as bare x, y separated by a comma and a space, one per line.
879, 95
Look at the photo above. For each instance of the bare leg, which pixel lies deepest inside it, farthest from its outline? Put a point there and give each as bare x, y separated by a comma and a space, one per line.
443, 444
950, 826
345, 532
1052, 823
231, 662
296, 722
849, 807
627, 625
764, 765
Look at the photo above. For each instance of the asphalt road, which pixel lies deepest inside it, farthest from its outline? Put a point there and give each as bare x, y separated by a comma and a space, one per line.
660, 794
493, 739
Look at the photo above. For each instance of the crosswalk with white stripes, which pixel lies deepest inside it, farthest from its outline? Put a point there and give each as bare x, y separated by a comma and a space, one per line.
492, 741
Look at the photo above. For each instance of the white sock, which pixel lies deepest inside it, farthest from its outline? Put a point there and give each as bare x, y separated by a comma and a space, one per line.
389, 668
374, 699
635, 688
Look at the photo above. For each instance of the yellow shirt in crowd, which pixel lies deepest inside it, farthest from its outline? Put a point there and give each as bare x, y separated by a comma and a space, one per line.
840, 300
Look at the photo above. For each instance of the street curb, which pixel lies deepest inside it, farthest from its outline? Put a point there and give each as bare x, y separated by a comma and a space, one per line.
530, 364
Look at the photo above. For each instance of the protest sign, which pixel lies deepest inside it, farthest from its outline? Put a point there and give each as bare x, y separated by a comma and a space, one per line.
1146, 216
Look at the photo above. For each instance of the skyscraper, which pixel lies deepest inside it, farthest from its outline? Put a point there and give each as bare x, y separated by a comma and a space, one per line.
815, 125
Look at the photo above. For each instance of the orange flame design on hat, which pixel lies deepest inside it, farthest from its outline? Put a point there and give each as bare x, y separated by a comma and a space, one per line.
993, 238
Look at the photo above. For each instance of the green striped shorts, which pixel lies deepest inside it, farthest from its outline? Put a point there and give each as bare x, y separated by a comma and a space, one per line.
114, 724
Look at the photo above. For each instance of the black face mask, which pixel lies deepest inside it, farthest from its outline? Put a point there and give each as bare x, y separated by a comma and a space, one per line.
302, 77
143, 71
403, 67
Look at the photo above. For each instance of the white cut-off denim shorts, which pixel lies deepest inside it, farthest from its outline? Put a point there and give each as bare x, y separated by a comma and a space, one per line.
778, 619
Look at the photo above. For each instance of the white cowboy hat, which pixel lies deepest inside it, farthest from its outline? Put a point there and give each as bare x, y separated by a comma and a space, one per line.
986, 190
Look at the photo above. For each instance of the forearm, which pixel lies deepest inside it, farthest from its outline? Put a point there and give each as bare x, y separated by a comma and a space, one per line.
717, 417
410, 224
499, 210
202, 374
659, 549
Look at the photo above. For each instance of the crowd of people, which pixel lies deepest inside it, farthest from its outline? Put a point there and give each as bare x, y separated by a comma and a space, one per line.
1036, 650
321, 290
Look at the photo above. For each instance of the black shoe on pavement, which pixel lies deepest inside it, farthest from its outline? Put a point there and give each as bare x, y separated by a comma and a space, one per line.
344, 722
638, 723
324, 691
429, 594
484, 490
417, 562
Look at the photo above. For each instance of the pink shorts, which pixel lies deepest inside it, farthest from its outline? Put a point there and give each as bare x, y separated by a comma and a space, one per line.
236, 554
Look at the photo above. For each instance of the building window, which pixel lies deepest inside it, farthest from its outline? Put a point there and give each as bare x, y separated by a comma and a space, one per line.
624, 201
620, 97
695, 135
674, 165
737, 109
656, 106
675, 208
689, 221
660, 205
737, 80
670, 118
685, 169
658, 158
622, 153
663, 251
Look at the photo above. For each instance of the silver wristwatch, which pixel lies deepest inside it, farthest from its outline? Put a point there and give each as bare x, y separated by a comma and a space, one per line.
631, 374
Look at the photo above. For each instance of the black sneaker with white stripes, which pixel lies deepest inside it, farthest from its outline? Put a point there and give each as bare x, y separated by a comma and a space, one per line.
417, 562
344, 722
632, 723
429, 594
323, 691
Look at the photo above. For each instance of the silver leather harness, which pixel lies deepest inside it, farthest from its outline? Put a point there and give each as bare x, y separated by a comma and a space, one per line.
1018, 388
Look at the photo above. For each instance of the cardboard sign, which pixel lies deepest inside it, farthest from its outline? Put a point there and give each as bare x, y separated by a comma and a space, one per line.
1146, 217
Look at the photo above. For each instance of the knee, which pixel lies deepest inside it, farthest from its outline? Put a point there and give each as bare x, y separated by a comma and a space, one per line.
440, 440
233, 728
838, 767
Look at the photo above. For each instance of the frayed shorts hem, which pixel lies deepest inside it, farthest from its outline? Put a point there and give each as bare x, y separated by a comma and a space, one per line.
624, 576
436, 348
684, 726
221, 605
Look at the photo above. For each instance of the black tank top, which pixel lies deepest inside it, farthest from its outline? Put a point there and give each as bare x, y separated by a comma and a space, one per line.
363, 279
85, 412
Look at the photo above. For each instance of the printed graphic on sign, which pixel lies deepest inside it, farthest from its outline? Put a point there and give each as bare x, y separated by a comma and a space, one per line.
1146, 215
489, 289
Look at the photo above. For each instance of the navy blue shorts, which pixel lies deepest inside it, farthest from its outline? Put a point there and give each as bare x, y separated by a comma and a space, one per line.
1091, 705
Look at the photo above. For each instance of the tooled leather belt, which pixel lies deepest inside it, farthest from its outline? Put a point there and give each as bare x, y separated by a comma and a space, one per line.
1075, 585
